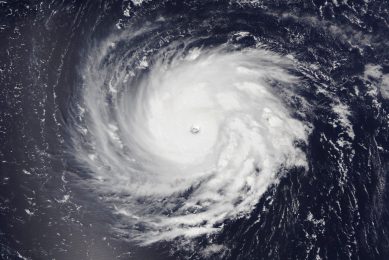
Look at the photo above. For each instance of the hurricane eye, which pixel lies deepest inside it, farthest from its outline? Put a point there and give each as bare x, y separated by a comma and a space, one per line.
194, 129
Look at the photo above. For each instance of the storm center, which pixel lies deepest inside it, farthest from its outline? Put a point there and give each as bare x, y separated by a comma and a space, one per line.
194, 129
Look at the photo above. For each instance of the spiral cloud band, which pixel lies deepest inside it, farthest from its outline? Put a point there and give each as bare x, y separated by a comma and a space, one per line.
179, 139
194, 129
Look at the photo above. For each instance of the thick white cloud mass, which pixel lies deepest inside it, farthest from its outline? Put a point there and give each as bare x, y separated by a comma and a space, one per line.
195, 140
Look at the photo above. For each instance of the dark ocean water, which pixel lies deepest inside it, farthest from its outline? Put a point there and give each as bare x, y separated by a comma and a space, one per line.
337, 209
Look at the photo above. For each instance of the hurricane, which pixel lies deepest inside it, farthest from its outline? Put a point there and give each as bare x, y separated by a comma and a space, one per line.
194, 130
190, 135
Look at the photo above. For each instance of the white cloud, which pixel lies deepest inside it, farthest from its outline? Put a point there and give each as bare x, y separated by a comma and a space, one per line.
145, 156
